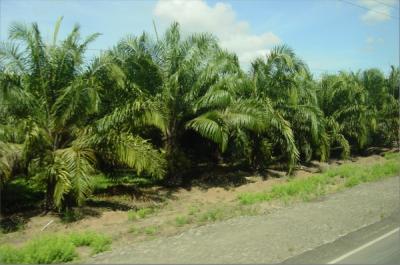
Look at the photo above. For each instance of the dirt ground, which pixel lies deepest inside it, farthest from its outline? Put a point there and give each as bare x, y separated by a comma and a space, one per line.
116, 224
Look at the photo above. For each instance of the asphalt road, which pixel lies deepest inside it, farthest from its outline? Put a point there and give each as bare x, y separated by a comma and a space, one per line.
378, 243
384, 251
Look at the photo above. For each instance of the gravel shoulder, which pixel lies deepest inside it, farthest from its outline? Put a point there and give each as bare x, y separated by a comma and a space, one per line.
272, 237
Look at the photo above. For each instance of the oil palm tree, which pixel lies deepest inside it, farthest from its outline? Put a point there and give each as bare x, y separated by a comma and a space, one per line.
285, 79
179, 84
52, 96
343, 100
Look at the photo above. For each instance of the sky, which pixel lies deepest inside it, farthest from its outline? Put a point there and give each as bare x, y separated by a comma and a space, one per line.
329, 35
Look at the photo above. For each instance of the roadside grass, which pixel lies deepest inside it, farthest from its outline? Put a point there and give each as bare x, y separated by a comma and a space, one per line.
215, 213
48, 249
97, 242
146, 230
343, 176
182, 220
140, 214
195, 216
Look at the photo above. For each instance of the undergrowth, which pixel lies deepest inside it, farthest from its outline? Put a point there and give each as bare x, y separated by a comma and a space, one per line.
50, 249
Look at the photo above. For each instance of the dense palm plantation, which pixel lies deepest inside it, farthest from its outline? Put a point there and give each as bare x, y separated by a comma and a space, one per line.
157, 107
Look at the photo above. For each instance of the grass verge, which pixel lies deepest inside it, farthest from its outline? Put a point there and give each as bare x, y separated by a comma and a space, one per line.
50, 249
343, 176
140, 214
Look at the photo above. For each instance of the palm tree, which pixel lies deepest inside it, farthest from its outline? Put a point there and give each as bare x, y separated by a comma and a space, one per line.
162, 84
343, 100
179, 85
381, 99
52, 96
285, 79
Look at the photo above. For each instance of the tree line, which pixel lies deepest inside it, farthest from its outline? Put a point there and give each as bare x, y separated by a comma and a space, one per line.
160, 106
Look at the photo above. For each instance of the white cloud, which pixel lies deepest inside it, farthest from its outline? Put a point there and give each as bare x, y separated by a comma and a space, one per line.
378, 11
220, 19
372, 42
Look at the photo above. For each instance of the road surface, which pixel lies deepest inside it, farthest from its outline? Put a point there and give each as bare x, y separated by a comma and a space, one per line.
378, 243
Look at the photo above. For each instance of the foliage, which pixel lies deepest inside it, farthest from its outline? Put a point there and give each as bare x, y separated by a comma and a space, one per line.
51, 97
156, 108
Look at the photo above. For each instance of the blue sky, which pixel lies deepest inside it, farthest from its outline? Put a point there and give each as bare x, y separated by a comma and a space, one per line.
330, 35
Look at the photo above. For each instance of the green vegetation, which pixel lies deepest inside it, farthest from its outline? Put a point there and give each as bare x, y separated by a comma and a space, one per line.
150, 230
346, 175
140, 214
181, 220
53, 248
98, 243
155, 108
215, 213
146, 230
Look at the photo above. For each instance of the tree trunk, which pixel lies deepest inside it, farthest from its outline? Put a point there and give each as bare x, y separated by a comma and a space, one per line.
49, 203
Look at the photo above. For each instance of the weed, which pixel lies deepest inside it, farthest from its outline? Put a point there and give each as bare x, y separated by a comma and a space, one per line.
193, 210
181, 220
43, 250
132, 215
213, 215
71, 215
140, 214
97, 242
53, 249
134, 230
392, 155
144, 212
150, 230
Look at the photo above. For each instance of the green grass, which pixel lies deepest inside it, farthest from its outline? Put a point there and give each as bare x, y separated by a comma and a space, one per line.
98, 243
21, 195
147, 230
214, 214
194, 210
347, 175
102, 183
140, 214
181, 220
150, 230
53, 249
223, 212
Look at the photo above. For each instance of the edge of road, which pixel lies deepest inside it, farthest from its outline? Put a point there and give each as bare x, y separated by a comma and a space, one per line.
329, 252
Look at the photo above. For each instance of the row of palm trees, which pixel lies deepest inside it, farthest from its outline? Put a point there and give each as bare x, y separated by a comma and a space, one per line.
161, 106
